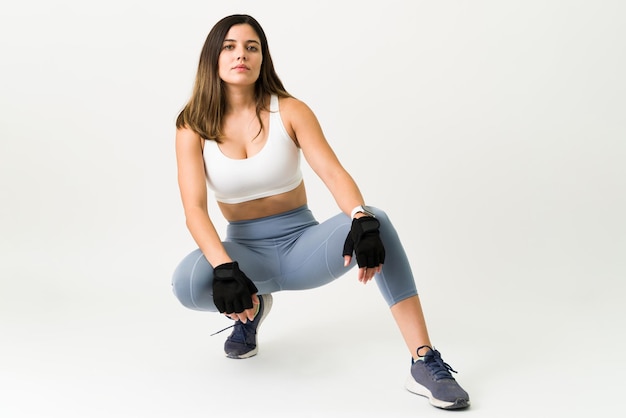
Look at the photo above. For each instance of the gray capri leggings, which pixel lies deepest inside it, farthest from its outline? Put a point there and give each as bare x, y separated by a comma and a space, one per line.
292, 251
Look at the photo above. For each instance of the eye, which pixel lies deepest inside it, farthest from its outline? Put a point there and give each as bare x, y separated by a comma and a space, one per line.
228, 47
253, 48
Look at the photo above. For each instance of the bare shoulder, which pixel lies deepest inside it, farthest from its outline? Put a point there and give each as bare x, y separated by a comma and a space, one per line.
187, 138
297, 115
302, 124
187, 134
292, 107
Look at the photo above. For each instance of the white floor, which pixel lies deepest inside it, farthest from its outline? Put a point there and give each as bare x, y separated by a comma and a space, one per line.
491, 131
122, 354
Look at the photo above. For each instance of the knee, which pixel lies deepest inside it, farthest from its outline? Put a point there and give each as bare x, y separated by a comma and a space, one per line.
192, 287
380, 214
387, 229
192, 282
181, 287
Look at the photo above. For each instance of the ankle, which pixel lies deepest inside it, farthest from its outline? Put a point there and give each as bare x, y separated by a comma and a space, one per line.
421, 351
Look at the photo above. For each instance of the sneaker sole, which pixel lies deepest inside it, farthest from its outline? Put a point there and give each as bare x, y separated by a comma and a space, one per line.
412, 386
268, 301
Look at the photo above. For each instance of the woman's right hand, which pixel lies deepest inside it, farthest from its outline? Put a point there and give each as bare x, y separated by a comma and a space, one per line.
248, 314
233, 292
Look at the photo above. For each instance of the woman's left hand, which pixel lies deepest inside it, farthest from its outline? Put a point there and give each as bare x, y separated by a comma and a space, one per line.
365, 274
364, 240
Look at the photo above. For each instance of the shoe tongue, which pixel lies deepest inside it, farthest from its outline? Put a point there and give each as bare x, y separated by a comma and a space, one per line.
431, 354
239, 332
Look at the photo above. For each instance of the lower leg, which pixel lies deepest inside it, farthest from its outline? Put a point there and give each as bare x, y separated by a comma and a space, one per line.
430, 376
409, 316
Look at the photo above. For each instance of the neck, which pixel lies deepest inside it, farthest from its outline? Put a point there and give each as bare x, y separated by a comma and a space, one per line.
240, 99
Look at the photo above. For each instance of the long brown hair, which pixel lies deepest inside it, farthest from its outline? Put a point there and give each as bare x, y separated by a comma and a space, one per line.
206, 107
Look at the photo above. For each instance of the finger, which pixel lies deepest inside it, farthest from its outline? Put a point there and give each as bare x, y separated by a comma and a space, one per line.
361, 274
250, 313
243, 317
238, 306
240, 312
369, 273
377, 270
346, 260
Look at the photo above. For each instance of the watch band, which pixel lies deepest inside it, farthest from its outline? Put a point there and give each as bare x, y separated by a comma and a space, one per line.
362, 209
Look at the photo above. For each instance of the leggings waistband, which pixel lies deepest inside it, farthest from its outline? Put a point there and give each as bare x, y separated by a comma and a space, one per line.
274, 226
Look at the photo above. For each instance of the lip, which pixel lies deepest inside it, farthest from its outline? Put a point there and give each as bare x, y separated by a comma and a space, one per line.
241, 67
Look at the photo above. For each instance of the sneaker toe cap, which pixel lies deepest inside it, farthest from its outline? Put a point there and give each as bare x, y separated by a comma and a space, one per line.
449, 390
235, 349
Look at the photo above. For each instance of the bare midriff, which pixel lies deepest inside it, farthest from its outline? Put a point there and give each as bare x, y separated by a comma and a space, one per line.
266, 206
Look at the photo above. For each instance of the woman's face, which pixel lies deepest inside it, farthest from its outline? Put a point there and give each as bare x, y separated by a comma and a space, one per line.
240, 58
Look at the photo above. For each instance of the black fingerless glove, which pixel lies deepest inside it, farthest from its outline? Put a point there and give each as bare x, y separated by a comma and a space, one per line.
232, 289
364, 240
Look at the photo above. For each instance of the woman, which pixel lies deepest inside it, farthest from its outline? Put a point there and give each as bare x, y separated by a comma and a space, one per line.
242, 133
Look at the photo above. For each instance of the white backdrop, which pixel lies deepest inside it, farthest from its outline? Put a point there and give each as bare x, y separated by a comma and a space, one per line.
492, 132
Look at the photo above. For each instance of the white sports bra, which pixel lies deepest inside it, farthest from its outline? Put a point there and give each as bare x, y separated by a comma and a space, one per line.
273, 170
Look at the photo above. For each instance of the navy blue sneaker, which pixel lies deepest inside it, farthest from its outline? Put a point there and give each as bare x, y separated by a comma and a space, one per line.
430, 377
242, 342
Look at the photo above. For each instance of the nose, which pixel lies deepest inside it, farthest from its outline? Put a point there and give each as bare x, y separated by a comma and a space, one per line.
242, 54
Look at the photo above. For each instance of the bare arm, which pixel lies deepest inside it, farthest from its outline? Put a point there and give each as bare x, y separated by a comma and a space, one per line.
321, 157
326, 165
192, 185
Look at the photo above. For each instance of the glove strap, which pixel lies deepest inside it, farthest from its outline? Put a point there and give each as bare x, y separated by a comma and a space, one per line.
226, 270
364, 225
